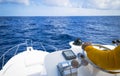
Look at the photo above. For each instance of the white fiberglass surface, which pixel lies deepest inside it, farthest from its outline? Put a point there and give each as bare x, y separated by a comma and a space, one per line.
28, 63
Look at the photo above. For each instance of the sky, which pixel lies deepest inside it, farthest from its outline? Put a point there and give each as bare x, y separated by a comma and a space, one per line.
59, 7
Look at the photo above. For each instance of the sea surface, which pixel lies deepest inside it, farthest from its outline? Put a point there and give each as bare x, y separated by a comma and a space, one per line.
55, 33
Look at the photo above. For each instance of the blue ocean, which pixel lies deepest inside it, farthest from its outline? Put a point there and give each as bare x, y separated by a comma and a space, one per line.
55, 33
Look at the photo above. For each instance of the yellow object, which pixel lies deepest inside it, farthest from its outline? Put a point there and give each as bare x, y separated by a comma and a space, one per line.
109, 60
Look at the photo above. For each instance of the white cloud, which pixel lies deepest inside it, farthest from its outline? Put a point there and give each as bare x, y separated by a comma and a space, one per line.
26, 2
104, 4
94, 4
65, 3
116, 4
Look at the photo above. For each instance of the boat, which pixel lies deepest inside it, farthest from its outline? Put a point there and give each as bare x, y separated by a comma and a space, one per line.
32, 62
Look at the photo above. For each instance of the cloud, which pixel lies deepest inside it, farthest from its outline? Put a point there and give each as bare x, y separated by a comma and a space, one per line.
96, 4
90, 4
93, 4
26, 2
63, 3
102, 4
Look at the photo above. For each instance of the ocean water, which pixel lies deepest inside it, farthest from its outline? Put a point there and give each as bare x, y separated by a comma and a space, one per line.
55, 33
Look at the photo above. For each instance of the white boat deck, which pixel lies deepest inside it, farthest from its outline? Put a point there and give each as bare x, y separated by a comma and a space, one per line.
40, 63
51, 62
54, 58
27, 63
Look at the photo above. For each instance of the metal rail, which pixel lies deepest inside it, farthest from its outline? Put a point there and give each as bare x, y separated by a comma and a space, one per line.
2, 58
27, 43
